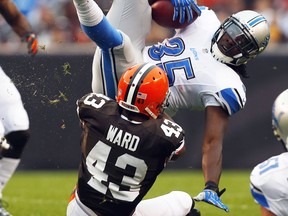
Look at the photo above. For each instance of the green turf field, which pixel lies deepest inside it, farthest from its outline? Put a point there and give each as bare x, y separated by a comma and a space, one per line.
46, 193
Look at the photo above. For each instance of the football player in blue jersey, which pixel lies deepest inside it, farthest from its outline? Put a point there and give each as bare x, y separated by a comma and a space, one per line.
268, 185
204, 63
14, 122
126, 143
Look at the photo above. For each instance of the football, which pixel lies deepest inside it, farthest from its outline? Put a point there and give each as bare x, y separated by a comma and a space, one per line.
162, 14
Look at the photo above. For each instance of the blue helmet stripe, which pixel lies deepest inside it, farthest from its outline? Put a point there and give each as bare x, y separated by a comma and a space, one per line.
256, 21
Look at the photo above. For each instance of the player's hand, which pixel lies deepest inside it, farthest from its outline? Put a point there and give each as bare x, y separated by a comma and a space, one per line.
3, 145
211, 195
32, 43
183, 10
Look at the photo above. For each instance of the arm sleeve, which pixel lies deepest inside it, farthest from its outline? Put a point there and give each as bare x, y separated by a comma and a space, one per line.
104, 34
96, 26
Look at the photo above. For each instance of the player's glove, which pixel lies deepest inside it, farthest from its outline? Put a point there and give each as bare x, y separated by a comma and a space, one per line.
211, 195
183, 10
3, 145
32, 43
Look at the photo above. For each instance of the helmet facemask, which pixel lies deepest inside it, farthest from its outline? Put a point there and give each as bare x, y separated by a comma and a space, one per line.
160, 107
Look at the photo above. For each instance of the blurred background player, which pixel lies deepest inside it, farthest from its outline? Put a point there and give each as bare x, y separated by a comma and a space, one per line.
13, 117
269, 186
125, 145
203, 62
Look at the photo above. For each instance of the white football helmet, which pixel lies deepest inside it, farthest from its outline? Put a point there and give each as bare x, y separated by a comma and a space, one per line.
240, 37
280, 118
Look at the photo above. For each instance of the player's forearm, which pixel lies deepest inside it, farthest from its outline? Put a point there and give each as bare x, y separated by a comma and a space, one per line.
15, 18
21, 27
215, 126
212, 163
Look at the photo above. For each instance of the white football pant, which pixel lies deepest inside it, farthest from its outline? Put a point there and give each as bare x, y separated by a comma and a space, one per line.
13, 116
176, 203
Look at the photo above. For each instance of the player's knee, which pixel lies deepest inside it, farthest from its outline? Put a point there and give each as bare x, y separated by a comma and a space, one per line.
17, 141
184, 200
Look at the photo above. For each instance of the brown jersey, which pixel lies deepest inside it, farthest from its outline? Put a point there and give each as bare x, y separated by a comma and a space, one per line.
120, 158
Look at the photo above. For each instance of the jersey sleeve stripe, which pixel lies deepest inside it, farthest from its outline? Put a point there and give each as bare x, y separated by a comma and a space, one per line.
258, 196
231, 100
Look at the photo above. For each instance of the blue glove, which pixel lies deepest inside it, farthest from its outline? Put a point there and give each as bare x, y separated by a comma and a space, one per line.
211, 197
183, 9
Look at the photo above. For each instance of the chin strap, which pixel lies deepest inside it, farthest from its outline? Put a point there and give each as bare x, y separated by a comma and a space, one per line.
150, 113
